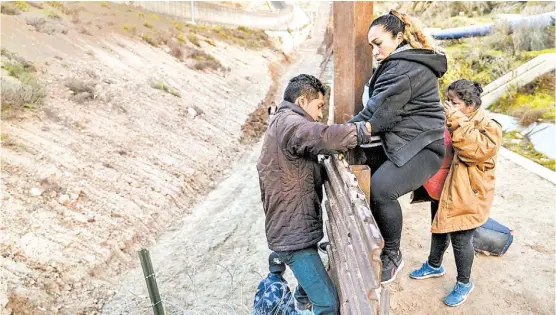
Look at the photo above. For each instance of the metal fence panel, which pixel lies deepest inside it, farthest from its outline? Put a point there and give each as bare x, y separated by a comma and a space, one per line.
356, 242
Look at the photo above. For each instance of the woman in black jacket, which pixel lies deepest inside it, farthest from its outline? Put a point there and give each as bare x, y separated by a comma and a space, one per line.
405, 82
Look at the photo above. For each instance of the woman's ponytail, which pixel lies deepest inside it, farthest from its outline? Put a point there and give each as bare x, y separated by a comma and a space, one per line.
413, 33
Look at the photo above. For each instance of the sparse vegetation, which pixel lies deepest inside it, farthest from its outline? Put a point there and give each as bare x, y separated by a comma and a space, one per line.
163, 86
176, 52
521, 145
21, 89
36, 4
178, 25
27, 66
75, 17
53, 15
164, 37
205, 61
154, 16
79, 86
151, 41
147, 24
241, 36
484, 59
181, 38
46, 26
6, 140
36, 21
105, 4
193, 39
86, 31
530, 103
82, 91
22, 5
130, 28
9, 8
57, 5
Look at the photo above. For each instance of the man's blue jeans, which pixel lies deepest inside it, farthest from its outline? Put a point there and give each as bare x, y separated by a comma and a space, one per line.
313, 280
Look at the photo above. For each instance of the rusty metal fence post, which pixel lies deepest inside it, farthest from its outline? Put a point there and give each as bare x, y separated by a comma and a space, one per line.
356, 242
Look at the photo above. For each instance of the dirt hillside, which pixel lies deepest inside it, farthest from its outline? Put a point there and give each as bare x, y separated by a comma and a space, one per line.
136, 120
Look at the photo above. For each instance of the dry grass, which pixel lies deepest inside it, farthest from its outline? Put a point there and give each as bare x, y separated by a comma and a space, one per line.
522, 145
85, 30
481, 60
204, 61
193, 39
14, 58
164, 37
446, 14
36, 21
21, 89
17, 96
49, 26
53, 15
177, 52
57, 5
132, 29
178, 25
9, 8
533, 102
529, 116
78, 86
147, 24
82, 91
151, 41
181, 38
530, 38
163, 86
36, 4
75, 17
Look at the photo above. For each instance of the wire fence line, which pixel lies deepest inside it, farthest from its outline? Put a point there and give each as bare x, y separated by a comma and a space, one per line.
213, 13
230, 292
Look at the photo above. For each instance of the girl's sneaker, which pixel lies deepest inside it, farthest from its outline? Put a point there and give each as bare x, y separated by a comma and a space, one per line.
459, 294
427, 271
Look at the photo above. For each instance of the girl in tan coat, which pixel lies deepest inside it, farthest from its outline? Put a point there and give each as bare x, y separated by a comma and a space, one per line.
468, 191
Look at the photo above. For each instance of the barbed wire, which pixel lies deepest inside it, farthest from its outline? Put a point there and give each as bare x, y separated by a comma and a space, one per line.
239, 297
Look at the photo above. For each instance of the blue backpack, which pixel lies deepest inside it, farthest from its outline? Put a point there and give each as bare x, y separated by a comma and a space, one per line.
492, 238
274, 297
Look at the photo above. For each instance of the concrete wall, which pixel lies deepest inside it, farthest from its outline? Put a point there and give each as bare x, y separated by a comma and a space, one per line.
212, 13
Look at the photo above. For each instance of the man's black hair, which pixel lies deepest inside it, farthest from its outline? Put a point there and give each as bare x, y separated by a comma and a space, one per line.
303, 85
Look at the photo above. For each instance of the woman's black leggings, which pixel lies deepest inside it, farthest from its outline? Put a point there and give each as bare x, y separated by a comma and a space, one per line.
462, 245
389, 182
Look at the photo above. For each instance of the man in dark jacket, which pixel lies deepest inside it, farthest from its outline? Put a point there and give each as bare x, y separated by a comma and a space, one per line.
291, 183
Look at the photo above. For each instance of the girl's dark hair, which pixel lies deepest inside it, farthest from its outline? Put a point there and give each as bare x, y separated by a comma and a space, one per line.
396, 22
468, 91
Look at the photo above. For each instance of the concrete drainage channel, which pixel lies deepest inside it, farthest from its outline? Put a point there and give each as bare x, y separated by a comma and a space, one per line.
540, 134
